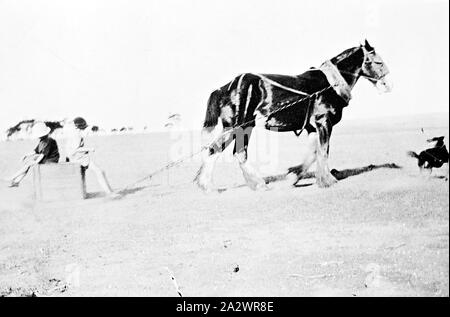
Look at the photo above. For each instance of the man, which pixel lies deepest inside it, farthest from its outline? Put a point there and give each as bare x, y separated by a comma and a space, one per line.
45, 152
77, 152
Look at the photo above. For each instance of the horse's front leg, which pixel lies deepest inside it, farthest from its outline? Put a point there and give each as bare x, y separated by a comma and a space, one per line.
324, 127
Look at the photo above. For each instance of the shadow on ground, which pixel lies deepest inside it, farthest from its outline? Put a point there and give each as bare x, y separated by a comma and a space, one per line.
122, 193
340, 175
131, 191
94, 195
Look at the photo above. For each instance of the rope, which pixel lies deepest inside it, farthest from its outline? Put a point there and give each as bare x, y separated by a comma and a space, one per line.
160, 170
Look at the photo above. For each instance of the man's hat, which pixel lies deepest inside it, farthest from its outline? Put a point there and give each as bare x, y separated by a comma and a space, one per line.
80, 123
40, 129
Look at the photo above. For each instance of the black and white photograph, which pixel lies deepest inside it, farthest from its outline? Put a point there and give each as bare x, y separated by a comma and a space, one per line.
242, 150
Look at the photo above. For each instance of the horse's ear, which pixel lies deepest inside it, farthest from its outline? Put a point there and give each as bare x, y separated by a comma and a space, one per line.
367, 46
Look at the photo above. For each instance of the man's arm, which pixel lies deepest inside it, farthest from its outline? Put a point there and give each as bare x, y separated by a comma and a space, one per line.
39, 158
29, 155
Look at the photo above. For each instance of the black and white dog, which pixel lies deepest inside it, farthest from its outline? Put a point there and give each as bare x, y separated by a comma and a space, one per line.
433, 157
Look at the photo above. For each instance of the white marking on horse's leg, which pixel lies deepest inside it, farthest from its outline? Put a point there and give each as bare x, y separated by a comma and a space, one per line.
324, 178
251, 175
308, 157
323, 125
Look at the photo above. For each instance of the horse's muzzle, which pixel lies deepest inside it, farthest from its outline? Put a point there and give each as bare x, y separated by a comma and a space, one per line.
384, 85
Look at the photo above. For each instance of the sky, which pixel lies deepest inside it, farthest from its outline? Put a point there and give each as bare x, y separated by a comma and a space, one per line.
133, 63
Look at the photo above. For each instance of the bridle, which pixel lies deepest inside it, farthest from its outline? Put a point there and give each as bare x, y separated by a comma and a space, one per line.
367, 60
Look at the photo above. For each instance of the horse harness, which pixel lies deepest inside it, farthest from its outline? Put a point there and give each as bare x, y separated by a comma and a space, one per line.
335, 80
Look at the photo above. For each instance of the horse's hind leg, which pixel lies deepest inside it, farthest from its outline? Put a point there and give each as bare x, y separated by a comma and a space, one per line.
308, 157
251, 175
204, 178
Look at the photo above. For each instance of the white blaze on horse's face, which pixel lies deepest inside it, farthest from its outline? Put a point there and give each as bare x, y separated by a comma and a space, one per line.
376, 71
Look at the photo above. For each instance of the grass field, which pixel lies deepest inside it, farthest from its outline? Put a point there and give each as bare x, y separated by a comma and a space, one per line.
287, 241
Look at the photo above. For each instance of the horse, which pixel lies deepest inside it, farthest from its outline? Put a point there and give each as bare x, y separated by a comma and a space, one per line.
312, 101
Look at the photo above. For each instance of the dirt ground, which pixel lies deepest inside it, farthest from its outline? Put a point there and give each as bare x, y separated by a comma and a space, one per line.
381, 231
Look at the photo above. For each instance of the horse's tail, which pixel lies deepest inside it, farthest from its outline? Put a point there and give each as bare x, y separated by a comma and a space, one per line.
413, 154
212, 110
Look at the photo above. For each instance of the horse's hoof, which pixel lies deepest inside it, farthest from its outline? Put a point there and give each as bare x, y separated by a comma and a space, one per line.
261, 187
326, 181
210, 190
291, 178
13, 185
205, 187
257, 184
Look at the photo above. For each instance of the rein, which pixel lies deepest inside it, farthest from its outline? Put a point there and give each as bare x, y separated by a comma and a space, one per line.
359, 73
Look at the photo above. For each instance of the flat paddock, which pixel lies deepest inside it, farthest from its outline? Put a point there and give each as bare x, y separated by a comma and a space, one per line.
301, 241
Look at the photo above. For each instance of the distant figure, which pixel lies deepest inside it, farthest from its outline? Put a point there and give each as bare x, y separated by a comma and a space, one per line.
76, 152
433, 157
45, 152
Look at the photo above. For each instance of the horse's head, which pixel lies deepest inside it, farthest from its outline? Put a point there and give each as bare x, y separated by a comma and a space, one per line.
374, 69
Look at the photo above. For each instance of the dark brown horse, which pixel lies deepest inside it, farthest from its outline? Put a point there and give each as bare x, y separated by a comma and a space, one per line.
312, 101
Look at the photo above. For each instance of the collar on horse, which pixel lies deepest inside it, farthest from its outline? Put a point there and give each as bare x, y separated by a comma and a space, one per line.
334, 77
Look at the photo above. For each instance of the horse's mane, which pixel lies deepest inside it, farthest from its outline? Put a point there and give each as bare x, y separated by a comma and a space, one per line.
345, 54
